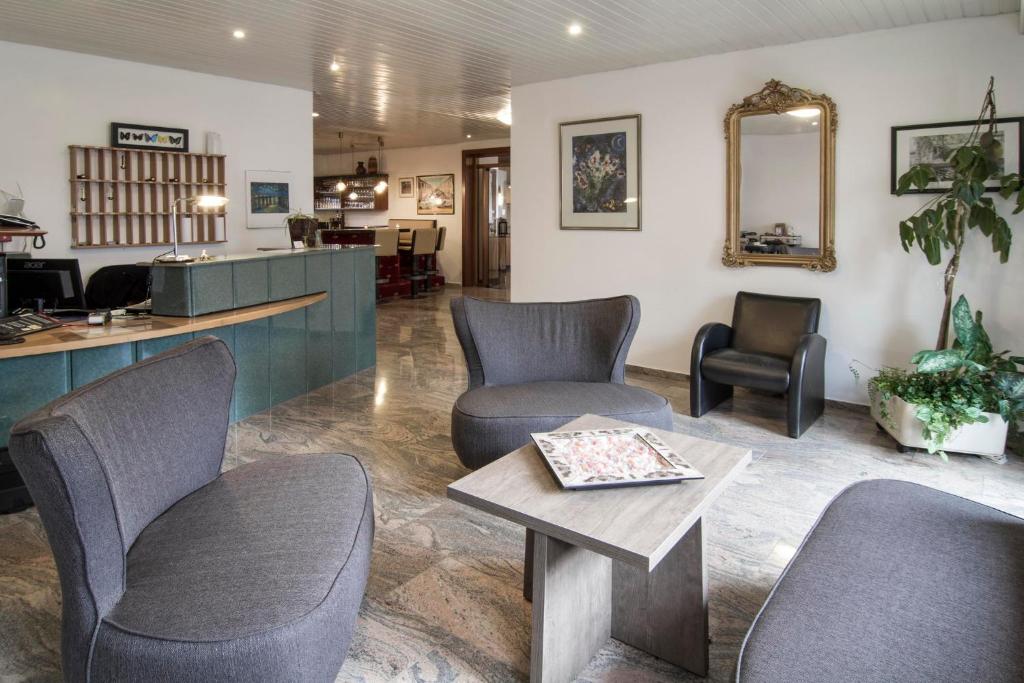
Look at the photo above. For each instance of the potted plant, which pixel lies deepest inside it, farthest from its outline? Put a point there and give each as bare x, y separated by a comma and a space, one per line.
302, 228
944, 222
963, 399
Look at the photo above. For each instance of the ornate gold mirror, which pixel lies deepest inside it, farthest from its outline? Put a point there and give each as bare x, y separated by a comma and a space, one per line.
781, 179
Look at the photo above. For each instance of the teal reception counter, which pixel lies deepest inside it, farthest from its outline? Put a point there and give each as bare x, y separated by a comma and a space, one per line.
294, 320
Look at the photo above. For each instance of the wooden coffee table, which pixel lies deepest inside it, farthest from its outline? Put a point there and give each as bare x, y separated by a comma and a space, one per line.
626, 563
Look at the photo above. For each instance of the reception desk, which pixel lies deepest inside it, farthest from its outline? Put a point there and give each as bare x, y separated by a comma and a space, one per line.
294, 320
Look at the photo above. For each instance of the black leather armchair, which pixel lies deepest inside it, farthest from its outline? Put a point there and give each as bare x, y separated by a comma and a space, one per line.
773, 346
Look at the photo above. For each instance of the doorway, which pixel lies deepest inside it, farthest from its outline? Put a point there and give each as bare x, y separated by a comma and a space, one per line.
487, 218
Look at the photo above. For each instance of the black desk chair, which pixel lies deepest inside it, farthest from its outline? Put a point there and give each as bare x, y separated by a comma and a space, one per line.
118, 286
772, 346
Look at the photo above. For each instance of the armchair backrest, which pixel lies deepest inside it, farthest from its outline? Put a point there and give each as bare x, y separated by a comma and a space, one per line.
765, 323
105, 460
574, 341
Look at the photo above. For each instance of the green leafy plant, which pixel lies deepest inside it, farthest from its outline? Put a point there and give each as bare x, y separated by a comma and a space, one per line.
955, 387
943, 223
298, 215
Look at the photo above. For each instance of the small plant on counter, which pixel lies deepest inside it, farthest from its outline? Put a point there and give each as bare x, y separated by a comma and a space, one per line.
944, 222
302, 228
954, 387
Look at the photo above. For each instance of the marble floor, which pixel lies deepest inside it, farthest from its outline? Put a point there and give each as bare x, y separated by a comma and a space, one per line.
443, 601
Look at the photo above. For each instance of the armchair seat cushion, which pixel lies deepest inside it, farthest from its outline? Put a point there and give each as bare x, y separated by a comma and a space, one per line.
262, 569
745, 369
491, 421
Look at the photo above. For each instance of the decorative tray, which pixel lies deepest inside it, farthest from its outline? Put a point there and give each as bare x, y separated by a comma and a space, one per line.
605, 458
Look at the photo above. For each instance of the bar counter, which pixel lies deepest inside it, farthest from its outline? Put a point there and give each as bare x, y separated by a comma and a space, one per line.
294, 321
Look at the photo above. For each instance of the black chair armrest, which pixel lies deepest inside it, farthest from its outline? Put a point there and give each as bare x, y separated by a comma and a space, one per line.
808, 357
806, 384
710, 337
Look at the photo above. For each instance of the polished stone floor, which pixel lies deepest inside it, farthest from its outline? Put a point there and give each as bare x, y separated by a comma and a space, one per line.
443, 601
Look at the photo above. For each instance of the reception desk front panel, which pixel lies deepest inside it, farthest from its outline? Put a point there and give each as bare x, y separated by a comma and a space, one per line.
300, 341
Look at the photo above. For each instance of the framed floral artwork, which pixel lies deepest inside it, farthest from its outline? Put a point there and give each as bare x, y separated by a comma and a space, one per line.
600, 174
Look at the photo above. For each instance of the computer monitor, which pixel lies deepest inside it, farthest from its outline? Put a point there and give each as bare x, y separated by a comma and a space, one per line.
57, 281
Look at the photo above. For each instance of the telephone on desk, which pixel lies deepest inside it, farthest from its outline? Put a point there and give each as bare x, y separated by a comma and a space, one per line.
21, 226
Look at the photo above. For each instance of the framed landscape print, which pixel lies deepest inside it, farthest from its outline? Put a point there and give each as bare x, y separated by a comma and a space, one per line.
933, 143
267, 198
600, 174
435, 194
406, 188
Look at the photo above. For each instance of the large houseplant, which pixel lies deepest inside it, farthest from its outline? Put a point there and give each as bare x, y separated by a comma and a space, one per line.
942, 224
956, 395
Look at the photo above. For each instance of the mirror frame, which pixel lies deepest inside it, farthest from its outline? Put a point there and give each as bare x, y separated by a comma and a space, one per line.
776, 98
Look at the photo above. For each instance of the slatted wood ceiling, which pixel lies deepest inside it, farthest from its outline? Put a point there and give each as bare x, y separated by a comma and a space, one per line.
431, 72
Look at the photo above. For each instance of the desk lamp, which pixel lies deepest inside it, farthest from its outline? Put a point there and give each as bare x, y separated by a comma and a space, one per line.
203, 201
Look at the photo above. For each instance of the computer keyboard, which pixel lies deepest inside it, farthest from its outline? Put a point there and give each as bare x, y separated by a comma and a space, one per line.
26, 323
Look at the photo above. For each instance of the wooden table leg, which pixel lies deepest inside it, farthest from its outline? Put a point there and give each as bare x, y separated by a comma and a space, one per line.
665, 612
572, 609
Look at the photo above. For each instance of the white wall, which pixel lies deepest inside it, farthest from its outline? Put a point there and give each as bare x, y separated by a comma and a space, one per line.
410, 162
53, 99
881, 304
780, 184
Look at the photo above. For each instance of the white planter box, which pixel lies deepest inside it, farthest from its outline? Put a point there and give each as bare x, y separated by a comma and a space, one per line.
983, 438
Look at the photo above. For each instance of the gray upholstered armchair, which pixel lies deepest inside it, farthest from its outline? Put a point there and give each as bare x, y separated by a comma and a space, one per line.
535, 366
773, 345
172, 571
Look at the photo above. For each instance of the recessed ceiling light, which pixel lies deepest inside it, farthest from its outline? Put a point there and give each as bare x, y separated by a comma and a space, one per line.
316, 114
468, 135
814, 123
335, 66
238, 33
505, 115
805, 113
575, 29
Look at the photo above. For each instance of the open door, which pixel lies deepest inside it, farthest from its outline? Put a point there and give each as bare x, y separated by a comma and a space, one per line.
486, 217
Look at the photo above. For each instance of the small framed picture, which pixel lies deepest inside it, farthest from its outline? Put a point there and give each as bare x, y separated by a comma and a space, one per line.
140, 136
267, 198
600, 174
435, 194
407, 188
934, 143
780, 229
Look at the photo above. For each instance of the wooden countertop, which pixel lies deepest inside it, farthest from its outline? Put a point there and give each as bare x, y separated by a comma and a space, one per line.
132, 329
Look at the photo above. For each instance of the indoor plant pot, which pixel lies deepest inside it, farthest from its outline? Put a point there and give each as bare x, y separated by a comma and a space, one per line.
302, 228
979, 438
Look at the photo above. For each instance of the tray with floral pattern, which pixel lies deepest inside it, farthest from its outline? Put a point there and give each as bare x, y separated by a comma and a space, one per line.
604, 458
